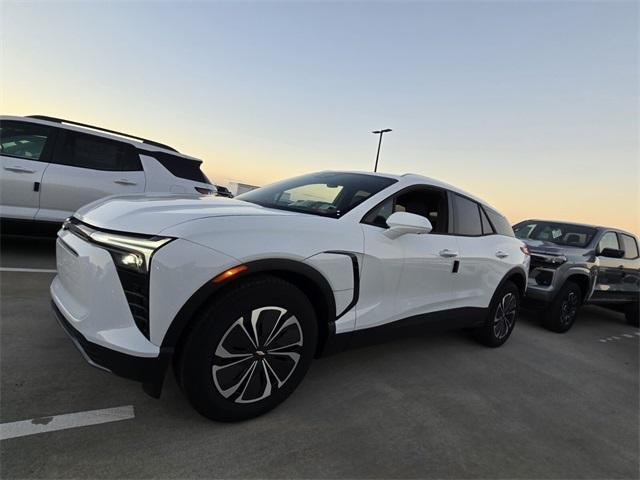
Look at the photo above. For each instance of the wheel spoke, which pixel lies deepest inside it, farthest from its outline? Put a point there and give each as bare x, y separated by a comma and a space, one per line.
278, 329
255, 319
227, 392
258, 381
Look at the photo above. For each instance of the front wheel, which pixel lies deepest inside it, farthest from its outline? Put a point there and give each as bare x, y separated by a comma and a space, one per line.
248, 350
562, 313
503, 313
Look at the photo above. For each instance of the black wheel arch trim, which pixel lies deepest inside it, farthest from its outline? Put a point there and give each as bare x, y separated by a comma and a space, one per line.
273, 265
515, 271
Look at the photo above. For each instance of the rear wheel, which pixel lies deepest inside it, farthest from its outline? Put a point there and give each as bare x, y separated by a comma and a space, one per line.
632, 314
503, 313
561, 314
249, 350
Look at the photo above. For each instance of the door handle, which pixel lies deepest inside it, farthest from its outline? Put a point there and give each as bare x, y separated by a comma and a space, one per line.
124, 181
501, 254
19, 169
446, 253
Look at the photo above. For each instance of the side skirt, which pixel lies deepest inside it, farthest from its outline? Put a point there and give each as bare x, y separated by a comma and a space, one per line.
442, 321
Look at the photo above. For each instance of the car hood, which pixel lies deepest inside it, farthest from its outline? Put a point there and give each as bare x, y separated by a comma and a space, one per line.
151, 214
550, 248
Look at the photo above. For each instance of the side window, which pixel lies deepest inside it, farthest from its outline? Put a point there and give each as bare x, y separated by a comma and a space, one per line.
466, 216
630, 246
23, 139
430, 203
97, 153
486, 225
501, 224
609, 240
378, 216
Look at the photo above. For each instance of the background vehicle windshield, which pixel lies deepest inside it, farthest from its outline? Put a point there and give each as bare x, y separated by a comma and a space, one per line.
560, 233
330, 194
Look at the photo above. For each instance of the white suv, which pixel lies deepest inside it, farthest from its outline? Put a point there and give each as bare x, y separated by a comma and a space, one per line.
52, 167
240, 294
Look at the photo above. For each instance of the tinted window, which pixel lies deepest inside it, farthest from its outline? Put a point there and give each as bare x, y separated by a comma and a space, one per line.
23, 140
486, 225
560, 233
609, 240
466, 216
630, 246
179, 166
430, 203
330, 194
97, 153
501, 224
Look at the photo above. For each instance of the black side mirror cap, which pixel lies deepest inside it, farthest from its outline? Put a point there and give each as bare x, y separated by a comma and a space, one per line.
612, 253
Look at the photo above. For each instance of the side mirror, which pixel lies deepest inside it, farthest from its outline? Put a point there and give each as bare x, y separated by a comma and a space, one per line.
402, 222
612, 253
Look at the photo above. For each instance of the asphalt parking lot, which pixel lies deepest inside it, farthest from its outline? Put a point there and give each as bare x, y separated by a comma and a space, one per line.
439, 405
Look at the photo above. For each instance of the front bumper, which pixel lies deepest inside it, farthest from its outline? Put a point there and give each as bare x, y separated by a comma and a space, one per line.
149, 371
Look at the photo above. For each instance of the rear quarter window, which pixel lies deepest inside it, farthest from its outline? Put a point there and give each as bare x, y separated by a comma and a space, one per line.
500, 223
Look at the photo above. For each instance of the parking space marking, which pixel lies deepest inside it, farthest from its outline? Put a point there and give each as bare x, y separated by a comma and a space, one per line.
27, 270
62, 422
622, 337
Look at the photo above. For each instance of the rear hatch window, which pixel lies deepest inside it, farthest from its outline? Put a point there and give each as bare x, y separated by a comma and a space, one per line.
179, 166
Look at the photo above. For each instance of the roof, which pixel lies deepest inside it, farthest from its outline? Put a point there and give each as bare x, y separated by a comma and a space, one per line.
409, 178
140, 142
578, 224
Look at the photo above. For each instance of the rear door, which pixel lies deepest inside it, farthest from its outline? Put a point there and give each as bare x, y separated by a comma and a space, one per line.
630, 283
486, 252
608, 285
25, 149
85, 168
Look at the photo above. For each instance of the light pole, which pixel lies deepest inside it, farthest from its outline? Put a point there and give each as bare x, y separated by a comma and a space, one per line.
379, 132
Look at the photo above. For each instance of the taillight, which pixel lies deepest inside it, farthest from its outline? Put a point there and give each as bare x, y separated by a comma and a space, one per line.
205, 191
525, 250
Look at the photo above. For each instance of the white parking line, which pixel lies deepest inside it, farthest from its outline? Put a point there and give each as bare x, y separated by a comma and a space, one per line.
62, 422
27, 270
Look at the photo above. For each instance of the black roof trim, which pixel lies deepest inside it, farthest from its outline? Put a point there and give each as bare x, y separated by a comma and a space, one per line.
70, 122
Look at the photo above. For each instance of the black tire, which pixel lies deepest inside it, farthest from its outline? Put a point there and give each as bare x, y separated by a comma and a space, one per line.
503, 313
632, 314
561, 314
220, 356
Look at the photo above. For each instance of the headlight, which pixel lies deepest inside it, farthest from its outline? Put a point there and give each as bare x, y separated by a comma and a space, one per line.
553, 260
133, 253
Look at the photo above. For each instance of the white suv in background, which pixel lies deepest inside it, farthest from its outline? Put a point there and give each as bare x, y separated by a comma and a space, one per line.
51, 167
240, 294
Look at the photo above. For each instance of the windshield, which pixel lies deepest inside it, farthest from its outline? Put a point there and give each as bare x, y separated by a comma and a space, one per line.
559, 233
330, 194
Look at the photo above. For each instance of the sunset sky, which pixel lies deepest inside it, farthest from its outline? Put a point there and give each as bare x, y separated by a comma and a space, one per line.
532, 106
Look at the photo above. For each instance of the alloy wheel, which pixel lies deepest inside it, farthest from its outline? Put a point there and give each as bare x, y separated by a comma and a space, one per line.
257, 354
569, 309
505, 316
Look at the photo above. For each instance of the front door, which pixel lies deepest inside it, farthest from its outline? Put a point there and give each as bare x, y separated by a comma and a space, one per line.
412, 274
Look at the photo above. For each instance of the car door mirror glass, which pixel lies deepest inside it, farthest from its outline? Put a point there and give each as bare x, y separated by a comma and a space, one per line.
401, 223
612, 253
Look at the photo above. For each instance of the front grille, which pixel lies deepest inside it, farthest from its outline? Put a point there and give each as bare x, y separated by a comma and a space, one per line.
136, 289
537, 262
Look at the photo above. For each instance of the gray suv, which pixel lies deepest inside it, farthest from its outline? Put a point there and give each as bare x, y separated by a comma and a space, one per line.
573, 264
